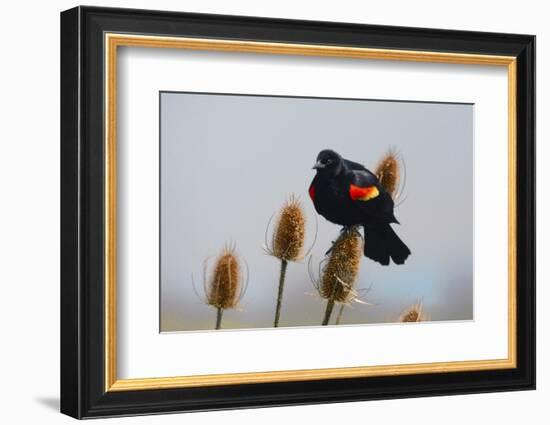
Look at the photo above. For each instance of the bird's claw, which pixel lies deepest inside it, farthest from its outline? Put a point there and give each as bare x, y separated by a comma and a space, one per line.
343, 231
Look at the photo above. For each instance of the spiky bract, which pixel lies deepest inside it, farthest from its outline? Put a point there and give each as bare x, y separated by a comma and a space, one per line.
340, 272
414, 313
224, 285
288, 237
388, 173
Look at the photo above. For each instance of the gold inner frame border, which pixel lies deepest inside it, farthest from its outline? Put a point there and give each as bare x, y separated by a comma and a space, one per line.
113, 40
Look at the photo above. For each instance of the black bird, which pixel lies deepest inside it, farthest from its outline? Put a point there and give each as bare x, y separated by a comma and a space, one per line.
346, 193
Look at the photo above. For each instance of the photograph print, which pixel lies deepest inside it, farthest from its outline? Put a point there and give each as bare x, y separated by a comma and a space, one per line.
280, 211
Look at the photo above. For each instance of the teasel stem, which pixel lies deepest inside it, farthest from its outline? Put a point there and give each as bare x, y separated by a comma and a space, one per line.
287, 243
328, 311
340, 312
219, 315
282, 275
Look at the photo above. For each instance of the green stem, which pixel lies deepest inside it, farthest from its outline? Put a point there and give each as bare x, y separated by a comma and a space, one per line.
219, 314
340, 313
328, 311
282, 275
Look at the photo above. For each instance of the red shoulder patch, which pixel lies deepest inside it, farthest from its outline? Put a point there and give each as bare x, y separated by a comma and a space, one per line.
312, 193
358, 193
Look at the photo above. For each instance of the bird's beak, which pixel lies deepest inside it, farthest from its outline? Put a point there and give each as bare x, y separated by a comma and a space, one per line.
318, 165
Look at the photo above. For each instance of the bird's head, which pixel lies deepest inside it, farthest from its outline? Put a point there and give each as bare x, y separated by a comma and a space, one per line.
328, 163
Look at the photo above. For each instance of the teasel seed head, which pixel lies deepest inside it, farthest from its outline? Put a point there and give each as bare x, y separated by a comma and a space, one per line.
289, 234
340, 271
388, 172
224, 288
414, 313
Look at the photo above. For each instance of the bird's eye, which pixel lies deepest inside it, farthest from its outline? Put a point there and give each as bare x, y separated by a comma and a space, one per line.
329, 161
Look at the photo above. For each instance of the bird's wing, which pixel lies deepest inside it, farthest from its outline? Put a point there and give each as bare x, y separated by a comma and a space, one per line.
354, 165
364, 186
369, 196
363, 172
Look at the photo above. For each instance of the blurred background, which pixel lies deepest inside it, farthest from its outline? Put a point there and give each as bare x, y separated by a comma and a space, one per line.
229, 162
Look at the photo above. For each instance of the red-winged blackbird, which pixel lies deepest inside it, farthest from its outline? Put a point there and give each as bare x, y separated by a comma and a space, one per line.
348, 194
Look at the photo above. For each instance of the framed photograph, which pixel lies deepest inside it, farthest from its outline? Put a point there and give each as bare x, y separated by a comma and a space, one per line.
261, 212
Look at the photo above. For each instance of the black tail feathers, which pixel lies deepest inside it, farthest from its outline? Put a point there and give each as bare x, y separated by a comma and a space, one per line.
382, 243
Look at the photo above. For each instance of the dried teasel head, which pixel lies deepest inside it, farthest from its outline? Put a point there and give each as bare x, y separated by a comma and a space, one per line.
289, 234
388, 173
340, 271
224, 287
414, 313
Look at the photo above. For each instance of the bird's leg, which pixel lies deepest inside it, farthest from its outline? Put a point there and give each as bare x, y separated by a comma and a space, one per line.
343, 231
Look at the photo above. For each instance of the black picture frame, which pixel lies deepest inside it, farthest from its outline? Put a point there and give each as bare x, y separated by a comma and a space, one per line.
83, 392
